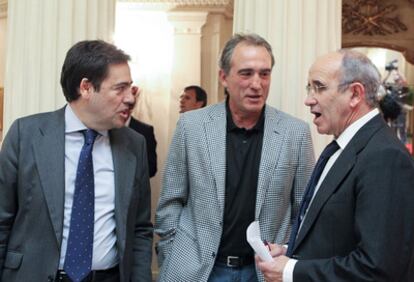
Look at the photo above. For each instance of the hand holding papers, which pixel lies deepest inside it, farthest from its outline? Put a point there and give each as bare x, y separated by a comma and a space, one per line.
255, 241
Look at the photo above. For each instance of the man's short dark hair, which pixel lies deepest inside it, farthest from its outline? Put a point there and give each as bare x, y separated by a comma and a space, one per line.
88, 59
201, 95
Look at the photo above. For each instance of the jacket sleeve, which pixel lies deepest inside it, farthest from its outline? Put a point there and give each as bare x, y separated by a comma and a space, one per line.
174, 193
143, 228
306, 162
8, 188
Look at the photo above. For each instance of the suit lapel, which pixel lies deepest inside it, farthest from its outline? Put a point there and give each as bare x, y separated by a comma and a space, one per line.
272, 144
49, 153
124, 172
216, 144
330, 184
337, 173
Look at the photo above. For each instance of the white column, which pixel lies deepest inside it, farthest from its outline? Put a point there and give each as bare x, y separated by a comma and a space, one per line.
216, 32
39, 34
186, 66
299, 31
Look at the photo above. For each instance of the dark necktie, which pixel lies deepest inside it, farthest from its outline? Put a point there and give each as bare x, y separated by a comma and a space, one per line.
310, 189
78, 258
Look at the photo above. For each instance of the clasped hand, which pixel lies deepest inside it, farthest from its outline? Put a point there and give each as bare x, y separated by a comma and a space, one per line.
273, 270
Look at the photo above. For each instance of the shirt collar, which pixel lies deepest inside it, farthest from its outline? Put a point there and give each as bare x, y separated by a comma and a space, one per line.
259, 126
74, 124
351, 130
128, 122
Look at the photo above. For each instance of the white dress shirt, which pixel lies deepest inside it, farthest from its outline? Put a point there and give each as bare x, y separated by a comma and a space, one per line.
105, 253
342, 141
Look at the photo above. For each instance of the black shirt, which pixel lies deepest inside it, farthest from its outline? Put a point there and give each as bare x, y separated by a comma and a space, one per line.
243, 153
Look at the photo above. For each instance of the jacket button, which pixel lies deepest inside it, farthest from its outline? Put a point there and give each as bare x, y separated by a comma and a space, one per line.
213, 254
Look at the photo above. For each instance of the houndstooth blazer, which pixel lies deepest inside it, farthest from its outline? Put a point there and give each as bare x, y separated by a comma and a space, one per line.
190, 210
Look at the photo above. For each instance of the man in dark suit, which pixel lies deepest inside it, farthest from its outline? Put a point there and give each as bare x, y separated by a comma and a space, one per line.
148, 132
74, 185
360, 222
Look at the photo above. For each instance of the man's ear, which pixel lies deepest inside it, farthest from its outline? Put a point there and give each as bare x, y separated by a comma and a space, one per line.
85, 88
135, 90
358, 93
199, 104
222, 77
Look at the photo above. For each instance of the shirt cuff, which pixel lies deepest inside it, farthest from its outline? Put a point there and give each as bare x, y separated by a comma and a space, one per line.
288, 270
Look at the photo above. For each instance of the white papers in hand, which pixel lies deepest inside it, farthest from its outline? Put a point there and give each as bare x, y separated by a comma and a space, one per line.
255, 240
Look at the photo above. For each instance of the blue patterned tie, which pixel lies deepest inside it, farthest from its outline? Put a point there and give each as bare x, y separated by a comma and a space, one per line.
310, 189
78, 259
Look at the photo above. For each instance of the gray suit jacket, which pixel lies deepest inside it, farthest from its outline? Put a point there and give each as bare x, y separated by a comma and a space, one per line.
191, 205
32, 191
360, 226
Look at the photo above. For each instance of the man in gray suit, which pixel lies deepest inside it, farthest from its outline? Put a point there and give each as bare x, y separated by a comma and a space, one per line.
360, 223
42, 188
228, 165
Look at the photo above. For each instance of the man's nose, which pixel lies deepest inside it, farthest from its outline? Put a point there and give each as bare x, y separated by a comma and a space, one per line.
309, 100
130, 96
256, 82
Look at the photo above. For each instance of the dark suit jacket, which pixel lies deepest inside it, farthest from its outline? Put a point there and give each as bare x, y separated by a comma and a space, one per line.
148, 132
32, 190
360, 226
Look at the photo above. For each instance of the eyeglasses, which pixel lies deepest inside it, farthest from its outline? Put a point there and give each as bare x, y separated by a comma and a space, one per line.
312, 89
315, 89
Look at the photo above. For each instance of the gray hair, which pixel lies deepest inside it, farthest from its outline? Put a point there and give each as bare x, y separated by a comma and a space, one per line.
248, 39
356, 67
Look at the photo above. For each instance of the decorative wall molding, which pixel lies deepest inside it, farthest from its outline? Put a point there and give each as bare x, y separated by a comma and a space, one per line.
3, 9
187, 22
379, 23
371, 17
186, 3
225, 7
